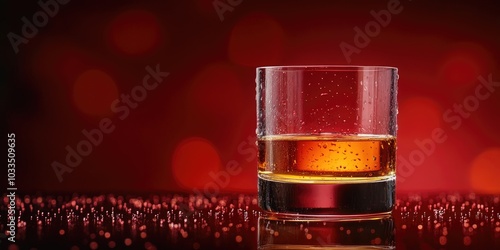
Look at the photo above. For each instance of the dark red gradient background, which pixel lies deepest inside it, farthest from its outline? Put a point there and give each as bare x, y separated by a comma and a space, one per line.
202, 116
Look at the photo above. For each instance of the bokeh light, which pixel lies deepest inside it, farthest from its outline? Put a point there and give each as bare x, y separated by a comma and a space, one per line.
73, 68
485, 171
459, 69
464, 62
216, 90
418, 117
13, 247
94, 91
256, 40
127, 242
93, 245
135, 32
59, 60
193, 160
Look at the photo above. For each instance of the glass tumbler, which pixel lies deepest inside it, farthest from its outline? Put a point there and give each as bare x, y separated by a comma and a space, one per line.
326, 139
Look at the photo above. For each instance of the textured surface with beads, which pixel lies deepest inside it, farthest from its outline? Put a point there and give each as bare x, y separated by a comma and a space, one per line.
184, 221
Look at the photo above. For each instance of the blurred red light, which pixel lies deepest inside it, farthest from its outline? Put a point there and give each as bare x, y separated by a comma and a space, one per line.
216, 91
192, 162
464, 63
256, 40
418, 117
460, 70
94, 91
58, 60
135, 32
484, 172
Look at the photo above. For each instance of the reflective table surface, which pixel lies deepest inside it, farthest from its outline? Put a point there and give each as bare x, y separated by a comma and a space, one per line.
234, 221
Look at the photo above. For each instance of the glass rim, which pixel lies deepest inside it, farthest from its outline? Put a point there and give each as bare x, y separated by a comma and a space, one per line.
326, 67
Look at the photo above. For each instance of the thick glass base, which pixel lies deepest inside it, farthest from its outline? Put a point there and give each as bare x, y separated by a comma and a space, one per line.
327, 199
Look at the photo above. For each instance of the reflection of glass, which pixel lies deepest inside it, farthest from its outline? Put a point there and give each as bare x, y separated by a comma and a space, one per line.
316, 232
326, 139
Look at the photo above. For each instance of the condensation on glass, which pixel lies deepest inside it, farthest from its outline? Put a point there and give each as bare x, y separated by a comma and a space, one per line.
326, 139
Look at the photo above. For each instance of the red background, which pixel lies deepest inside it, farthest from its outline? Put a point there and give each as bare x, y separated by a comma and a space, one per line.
202, 115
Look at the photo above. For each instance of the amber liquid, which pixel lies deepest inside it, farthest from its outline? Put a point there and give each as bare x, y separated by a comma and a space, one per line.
327, 174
